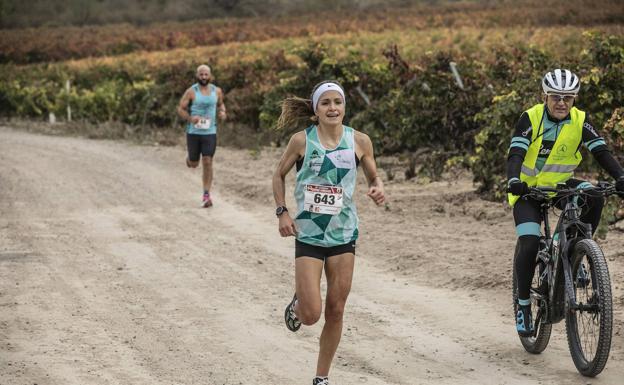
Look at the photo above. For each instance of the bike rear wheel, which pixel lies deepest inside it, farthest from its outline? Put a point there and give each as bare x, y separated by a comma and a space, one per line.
539, 341
589, 327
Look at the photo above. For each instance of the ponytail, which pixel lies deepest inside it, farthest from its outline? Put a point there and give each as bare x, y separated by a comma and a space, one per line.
294, 110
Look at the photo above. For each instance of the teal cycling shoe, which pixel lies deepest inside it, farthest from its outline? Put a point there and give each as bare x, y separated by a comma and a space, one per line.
524, 321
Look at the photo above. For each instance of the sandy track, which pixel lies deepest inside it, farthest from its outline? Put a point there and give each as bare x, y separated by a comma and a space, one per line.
111, 274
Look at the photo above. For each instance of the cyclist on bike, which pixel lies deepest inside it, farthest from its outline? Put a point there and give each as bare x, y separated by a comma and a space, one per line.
545, 151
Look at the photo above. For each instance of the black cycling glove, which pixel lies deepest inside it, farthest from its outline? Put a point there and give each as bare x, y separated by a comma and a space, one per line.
519, 188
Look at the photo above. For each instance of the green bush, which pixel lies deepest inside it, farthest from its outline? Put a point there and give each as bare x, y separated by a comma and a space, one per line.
429, 110
408, 108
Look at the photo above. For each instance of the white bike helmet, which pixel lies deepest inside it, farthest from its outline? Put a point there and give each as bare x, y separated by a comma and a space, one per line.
561, 82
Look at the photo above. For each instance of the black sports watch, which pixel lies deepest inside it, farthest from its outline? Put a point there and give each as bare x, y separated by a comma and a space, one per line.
280, 210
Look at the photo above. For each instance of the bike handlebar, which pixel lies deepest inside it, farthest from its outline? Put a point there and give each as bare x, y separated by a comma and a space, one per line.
542, 193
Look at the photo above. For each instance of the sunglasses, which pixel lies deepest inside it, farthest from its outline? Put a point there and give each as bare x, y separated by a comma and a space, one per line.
566, 98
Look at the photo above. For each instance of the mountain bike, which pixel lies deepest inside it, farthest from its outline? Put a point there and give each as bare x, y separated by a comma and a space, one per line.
571, 281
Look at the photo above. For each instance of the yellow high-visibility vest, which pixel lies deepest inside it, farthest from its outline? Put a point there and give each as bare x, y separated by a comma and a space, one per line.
563, 158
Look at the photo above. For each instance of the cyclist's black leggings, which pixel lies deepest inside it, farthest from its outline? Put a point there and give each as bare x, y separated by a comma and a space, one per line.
528, 219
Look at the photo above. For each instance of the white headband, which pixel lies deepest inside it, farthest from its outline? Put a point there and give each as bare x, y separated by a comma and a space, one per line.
324, 88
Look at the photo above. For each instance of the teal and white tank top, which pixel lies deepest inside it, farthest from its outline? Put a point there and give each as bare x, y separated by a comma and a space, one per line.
206, 107
325, 183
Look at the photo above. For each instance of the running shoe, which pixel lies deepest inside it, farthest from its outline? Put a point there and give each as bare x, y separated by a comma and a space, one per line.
292, 322
206, 201
320, 381
524, 321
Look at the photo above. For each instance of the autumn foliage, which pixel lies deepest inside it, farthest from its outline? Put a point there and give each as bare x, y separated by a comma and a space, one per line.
34, 45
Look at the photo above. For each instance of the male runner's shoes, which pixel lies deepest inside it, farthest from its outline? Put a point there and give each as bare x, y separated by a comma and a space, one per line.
320, 381
206, 201
524, 321
292, 322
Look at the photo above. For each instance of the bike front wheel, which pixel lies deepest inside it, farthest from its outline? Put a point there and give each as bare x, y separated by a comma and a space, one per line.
589, 322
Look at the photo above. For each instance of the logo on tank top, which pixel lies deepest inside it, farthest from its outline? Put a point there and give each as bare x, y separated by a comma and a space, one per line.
342, 158
316, 161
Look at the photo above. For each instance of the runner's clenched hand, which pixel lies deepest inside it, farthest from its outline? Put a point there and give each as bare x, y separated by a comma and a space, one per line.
286, 225
376, 193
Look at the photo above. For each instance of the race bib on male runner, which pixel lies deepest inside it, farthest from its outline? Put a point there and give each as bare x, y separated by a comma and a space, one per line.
203, 124
323, 199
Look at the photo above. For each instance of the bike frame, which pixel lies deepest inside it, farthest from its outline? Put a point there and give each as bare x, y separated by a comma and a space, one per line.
558, 270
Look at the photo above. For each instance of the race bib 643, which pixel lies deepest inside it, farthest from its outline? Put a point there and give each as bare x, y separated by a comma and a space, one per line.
323, 199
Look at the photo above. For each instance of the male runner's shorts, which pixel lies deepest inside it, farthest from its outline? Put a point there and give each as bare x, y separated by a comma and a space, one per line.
319, 252
200, 144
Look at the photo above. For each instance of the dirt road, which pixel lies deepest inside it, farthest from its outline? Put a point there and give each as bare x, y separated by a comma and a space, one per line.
110, 273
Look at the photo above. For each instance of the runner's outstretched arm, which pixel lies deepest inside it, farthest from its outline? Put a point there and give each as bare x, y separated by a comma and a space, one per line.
222, 113
183, 107
367, 159
294, 151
